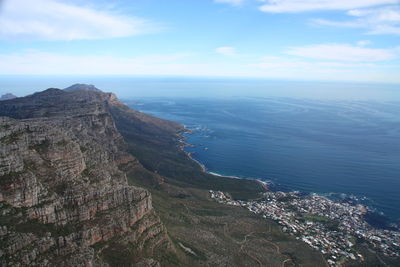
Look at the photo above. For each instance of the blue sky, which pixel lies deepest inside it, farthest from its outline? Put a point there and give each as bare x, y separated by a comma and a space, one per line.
352, 40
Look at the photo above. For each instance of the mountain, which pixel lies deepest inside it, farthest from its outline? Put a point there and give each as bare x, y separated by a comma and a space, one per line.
7, 96
62, 190
81, 86
87, 181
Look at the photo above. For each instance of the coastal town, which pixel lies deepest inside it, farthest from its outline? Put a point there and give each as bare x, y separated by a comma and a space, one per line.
334, 228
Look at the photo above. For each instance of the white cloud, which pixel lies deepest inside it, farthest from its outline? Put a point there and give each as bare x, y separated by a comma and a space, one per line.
44, 63
232, 2
55, 20
383, 20
298, 68
389, 13
226, 51
377, 16
342, 52
363, 42
346, 24
295, 63
293, 6
385, 29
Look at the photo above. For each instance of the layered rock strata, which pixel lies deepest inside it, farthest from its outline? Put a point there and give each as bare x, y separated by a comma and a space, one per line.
63, 197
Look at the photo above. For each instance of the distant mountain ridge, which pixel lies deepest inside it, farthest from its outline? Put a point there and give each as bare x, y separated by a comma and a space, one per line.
7, 96
82, 86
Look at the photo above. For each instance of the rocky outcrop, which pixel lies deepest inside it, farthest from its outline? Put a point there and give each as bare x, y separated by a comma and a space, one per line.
81, 86
63, 197
7, 96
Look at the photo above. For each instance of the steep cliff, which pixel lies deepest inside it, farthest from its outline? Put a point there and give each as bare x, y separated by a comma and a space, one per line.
64, 199
68, 160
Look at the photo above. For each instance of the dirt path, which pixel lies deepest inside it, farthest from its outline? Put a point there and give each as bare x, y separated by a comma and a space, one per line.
243, 242
284, 262
254, 258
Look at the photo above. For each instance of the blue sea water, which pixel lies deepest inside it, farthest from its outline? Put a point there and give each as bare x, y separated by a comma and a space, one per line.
331, 147
331, 138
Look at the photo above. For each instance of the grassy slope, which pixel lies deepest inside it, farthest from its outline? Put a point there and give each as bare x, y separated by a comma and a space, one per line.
160, 153
221, 235
203, 231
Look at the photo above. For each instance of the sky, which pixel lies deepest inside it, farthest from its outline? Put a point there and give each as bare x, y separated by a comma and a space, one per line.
334, 40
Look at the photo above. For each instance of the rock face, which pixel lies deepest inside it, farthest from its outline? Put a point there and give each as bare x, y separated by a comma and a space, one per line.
7, 96
64, 200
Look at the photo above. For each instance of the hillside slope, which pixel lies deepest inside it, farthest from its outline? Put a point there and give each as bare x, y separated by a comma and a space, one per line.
64, 200
73, 165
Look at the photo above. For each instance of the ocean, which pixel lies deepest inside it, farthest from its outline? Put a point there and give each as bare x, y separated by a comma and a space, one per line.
337, 148
341, 140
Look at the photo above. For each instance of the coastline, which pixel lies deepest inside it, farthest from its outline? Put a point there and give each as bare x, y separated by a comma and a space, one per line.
265, 185
183, 144
182, 140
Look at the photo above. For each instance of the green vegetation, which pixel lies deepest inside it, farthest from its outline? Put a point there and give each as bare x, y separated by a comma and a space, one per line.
9, 215
12, 138
371, 258
202, 232
41, 147
208, 212
117, 254
332, 225
16, 219
195, 253
316, 218
231, 236
5, 126
86, 172
35, 227
9, 178
61, 187
168, 258
159, 153
120, 252
88, 175
63, 142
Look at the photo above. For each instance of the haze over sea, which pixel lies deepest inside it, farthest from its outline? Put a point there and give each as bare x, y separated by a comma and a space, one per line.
328, 138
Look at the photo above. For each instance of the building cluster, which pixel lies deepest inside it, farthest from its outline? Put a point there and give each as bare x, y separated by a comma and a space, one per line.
334, 228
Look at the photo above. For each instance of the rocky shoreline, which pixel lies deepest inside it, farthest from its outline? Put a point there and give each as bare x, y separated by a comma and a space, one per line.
185, 144
336, 244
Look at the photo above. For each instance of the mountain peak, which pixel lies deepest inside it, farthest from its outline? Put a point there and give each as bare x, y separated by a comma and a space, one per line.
82, 86
7, 96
